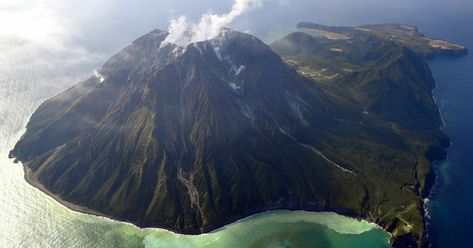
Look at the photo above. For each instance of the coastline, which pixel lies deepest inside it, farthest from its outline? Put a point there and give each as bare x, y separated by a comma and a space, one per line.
33, 181
434, 181
435, 176
426, 202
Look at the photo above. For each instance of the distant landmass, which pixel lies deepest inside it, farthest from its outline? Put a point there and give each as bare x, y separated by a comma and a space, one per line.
189, 139
404, 35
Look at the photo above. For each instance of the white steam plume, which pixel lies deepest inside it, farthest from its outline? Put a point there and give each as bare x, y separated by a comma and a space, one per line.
182, 32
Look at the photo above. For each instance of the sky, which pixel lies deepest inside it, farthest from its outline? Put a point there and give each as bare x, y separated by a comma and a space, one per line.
71, 38
48, 45
108, 25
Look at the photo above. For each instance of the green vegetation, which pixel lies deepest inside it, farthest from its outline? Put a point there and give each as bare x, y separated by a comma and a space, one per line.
393, 133
191, 140
404, 35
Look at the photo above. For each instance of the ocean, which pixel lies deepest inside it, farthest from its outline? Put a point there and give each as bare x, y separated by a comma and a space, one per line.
33, 71
452, 201
29, 73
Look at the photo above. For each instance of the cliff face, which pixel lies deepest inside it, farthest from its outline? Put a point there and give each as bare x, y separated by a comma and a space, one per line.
404, 35
193, 138
390, 84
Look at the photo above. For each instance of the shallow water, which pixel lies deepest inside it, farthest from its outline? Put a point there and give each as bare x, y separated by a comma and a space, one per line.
282, 229
33, 219
29, 73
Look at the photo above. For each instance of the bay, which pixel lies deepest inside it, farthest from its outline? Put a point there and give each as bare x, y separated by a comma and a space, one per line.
30, 72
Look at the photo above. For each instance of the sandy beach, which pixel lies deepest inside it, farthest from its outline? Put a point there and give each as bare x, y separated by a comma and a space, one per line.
31, 179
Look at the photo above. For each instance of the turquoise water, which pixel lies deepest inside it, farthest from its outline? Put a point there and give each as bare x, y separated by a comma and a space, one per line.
282, 229
32, 219
29, 73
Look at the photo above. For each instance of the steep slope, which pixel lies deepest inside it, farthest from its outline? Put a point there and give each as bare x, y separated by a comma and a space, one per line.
185, 139
193, 138
390, 86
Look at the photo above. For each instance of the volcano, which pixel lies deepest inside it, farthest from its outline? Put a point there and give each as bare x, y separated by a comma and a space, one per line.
192, 138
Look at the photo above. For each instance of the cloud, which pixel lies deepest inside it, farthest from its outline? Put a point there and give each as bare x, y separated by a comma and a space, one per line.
37, 57
30, 20
182, 32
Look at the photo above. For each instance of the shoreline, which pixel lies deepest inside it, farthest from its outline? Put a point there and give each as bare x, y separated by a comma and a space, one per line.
33, 181
432, 191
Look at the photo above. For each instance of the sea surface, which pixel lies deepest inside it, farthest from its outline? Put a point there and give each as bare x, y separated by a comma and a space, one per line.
32, 68
451, 206
29, 73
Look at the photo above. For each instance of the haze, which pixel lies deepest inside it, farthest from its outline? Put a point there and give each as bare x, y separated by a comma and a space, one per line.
52, 44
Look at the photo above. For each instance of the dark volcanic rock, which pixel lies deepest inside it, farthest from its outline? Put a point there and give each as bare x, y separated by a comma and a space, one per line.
193, 138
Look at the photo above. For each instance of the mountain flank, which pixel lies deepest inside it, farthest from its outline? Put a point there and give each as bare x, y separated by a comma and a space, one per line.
193, 138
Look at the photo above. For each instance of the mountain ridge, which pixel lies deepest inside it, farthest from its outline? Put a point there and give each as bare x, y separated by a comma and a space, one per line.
190, 139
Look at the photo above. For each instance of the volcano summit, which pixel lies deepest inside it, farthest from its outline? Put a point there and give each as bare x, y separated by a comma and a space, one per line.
192, 138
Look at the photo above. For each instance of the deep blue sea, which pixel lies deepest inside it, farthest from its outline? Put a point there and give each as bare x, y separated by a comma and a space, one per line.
81, 34
451, 207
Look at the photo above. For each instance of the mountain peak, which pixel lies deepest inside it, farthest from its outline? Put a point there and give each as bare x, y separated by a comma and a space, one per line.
138, 140
217, 45
231, 48
192, 138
